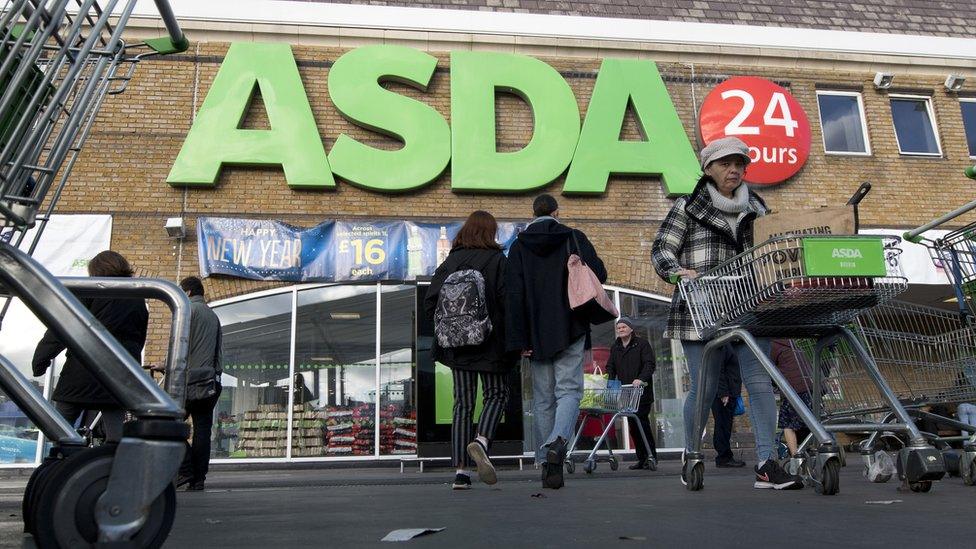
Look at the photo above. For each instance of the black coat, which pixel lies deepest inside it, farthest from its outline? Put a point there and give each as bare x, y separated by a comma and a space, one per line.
536, 279
126, 319
635, 361
729, 377
490, 356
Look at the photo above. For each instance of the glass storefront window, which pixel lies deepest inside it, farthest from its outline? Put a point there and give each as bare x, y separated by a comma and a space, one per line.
650, 318
252, 416
335, 355
398, 414
355, 391
601, 337
18, 435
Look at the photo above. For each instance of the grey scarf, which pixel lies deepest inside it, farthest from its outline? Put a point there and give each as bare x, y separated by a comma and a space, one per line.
733, 209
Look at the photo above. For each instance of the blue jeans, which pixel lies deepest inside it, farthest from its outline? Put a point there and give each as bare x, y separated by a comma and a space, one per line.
557, 388
967, 414
762, 405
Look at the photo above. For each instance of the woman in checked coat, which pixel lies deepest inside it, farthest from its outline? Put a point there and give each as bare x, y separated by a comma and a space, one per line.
702, 230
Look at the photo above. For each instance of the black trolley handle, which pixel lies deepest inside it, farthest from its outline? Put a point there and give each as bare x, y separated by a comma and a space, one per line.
856, 199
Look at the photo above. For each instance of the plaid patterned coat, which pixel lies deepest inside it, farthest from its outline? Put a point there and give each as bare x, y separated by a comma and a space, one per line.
695, 235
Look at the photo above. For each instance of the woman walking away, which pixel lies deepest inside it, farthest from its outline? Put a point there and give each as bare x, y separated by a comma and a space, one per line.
127, 320
465, 300
701, 231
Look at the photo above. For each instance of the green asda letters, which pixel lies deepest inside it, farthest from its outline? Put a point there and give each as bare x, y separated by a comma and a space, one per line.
429, 144
215, 138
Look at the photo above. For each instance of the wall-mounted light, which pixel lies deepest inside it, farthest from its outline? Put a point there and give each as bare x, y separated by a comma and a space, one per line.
954, 82
882, 80
174, 227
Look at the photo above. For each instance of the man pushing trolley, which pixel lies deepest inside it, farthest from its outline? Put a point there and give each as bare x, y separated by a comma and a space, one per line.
729, 292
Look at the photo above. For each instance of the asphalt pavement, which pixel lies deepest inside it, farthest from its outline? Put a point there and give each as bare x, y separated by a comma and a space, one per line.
358, 507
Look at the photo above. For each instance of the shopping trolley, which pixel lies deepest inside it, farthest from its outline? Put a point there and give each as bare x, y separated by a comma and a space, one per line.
956, 253
621, 401
58, 61
803, 286
931, 358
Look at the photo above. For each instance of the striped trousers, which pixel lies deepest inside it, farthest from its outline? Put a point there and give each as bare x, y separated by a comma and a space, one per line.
495, 390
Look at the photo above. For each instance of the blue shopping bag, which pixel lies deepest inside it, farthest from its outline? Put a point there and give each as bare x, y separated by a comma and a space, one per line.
740, 406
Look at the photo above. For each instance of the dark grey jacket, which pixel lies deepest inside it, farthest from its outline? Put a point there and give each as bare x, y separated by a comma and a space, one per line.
203, 362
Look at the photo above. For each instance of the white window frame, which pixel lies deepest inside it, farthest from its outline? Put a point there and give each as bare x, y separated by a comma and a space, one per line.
864, 123
935, 126
961, 101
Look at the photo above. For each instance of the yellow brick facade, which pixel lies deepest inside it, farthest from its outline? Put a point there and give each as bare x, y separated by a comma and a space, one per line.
123, 167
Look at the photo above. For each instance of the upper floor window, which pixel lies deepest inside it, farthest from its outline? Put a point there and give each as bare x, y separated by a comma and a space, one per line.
915, 128
842, 123
968, 106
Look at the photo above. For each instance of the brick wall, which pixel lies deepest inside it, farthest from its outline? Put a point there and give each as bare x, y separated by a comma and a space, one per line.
122, 171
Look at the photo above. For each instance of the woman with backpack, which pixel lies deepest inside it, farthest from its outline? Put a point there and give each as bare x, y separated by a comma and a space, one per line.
465, 300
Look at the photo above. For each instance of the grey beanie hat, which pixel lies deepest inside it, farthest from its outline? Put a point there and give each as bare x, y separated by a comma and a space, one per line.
720, 148
625, 320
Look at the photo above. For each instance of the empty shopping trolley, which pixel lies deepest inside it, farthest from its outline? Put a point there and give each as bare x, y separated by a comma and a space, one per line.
621, 401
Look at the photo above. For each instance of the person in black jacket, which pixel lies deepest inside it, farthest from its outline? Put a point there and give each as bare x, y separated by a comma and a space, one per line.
540, 324
632, 363
723, 409
127, 320
474, 247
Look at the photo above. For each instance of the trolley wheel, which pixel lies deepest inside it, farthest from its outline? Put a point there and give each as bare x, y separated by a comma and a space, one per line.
695, 477
67, 504
589, 466
829, 478
36, 484
920, 486
614, 464
969, 479
570, 465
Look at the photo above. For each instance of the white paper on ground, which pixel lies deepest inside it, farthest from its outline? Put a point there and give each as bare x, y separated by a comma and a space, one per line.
407, 534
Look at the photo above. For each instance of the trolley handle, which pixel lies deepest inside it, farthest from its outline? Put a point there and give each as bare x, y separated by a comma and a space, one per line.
915, 235
859, 194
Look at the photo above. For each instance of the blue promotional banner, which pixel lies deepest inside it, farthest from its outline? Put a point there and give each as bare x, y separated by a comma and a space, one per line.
333, 251
264, 250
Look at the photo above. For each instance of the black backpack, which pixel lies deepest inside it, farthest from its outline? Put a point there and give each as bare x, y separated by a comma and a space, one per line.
461, 317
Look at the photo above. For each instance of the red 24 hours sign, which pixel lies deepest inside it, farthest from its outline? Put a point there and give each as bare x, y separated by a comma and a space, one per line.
767, 118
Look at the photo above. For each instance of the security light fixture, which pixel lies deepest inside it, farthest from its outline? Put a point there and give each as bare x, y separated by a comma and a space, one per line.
174, 227
954, 82
882, 80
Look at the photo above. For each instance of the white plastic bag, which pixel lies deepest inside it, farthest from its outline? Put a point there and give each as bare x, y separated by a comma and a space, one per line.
882, 467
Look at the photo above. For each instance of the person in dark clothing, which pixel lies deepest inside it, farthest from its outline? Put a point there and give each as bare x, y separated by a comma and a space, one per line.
475, 248
127, 320
632, 363
540, 324
723, 409
203, 369
789, 364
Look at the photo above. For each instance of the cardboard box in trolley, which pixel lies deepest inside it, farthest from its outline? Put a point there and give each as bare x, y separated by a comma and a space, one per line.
785, 259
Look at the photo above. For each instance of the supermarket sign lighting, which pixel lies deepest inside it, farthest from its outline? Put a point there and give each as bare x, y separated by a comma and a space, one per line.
588, 153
